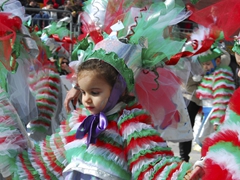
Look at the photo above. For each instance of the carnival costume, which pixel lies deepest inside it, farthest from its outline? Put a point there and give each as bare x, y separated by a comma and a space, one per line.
236, 50
120, 142
217, 85
224, 144
17, 103
215, 91
44, 79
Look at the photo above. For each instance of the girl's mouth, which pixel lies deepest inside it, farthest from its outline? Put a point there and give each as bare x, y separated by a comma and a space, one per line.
90, 108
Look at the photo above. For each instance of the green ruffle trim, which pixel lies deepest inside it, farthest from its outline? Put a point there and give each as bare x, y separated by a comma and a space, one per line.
184, 168
44, 104
130, 116
223, 91
44, 112
82, 154
163, 163
236, 47
144, 152
44, 119
3, 75
109, 140
219, 100
28, 165
234, 118
38, 151
169, 168
12, 166
204, 90
229, 147
53, 100
158, 163
223, 79
142, 133
118, 63
38, 128
113, 117
146, 166
48, 145
224, 69
55, 75
54, 84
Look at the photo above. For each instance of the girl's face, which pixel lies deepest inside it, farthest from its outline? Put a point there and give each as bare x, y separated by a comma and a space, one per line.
95, 91
207, 66
64, 63
237, 56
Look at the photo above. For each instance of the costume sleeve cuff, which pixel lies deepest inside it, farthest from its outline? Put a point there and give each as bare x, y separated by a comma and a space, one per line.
199, 163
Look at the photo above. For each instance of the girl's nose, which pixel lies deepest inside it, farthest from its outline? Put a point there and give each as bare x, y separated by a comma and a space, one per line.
87, 98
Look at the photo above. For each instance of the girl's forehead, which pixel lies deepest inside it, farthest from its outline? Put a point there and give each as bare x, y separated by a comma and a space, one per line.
237, 56
208, 62
89, 74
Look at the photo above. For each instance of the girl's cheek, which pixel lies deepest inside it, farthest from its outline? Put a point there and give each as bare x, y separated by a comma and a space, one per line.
238, 73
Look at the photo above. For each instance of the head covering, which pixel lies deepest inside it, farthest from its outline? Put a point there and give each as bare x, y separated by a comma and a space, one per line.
236, 47
206, 47
116, 62
213, 53
14, 32
145, 50
224, 144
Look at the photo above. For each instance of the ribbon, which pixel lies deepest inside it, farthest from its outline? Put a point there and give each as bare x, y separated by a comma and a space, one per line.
96, 124
65, 39
206, 44
93, 125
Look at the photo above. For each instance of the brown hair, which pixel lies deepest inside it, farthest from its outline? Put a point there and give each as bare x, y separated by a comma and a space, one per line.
105, 71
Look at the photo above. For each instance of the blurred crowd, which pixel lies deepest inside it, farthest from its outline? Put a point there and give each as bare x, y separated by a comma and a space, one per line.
42, 14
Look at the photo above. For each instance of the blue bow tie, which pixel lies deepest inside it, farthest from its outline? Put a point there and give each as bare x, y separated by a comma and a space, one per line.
93, 125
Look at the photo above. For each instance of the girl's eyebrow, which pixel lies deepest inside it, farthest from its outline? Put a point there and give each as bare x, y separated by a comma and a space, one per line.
95, 88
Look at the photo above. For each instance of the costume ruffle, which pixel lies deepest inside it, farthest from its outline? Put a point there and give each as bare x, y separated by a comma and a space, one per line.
45, 84
20, 95
213, 16
129, 148
220, 89
148, 155
221, 150
11, 139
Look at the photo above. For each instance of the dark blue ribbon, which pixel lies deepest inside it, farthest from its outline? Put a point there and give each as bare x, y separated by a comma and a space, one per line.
212, 69
93, 125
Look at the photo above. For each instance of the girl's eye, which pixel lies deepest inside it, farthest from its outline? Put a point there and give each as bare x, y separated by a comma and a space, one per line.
82, 92
95, 93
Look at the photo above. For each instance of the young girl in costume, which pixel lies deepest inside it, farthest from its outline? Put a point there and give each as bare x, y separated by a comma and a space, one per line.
215, 90
17, 105
221, 150
236, 51
110, 137
222, 143
217, 84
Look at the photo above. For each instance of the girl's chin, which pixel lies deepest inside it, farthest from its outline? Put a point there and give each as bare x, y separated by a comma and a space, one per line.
93, 112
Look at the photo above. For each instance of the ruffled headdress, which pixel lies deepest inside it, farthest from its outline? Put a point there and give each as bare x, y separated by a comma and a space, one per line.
236, 47
144, 40
224, 145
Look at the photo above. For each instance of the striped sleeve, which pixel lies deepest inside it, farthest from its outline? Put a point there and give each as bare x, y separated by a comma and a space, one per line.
222, 149
147, 153
223, 88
